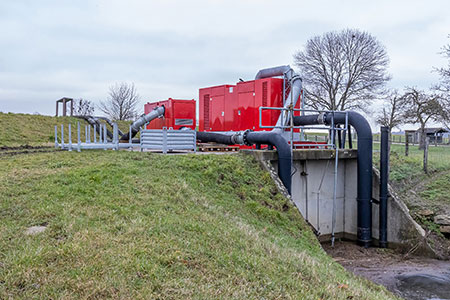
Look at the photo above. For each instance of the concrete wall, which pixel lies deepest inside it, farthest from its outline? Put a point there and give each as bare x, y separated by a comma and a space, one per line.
312, 193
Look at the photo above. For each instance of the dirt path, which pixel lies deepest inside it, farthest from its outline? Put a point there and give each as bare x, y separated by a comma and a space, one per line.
411, 277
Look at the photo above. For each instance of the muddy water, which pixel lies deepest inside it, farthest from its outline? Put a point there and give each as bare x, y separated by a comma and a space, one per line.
411, 277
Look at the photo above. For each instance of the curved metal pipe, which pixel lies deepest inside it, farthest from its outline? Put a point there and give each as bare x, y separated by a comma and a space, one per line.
157, 112
294, 94
259, 138
283, 150
272, 72
94, 121
364, 179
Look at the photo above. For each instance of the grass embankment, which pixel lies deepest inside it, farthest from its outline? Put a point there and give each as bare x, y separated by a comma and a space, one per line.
418, 190
406, 173
25, 129
139, 225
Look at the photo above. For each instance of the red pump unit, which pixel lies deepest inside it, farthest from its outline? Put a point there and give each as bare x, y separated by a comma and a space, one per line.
236, 107
178, 114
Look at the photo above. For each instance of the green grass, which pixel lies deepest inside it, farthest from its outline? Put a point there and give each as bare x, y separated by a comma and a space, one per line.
419, 190
410, 168
25, 129
138, 225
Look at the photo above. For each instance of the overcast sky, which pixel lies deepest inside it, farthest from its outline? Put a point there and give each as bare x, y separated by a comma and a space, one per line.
51, 49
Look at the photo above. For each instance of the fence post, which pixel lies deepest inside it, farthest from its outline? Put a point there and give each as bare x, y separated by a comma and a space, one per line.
105, 140
425, 156
406, 145
62, 136
70, 137
56, 136
115, 140
164, 140
79, 137
130, 139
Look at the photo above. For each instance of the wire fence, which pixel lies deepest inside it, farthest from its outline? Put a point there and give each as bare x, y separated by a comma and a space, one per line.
438, 157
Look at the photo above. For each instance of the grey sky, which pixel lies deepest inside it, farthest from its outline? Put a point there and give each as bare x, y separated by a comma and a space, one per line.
51, 49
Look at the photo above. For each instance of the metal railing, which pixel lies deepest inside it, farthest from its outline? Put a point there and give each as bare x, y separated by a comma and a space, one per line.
332, 129
164, 140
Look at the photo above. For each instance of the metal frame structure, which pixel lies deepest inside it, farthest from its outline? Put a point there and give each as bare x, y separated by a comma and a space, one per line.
164, 140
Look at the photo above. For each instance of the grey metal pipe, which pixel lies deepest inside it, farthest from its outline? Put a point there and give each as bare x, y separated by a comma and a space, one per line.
157, 112
272, 72
110, 123
294, 94
364, 179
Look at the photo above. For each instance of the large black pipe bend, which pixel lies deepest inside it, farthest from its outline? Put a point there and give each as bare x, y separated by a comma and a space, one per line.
283, 149
258, 138
364, 173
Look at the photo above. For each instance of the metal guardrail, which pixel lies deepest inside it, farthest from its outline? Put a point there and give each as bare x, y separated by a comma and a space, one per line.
168, 139
331, 128
156, 139
99, 140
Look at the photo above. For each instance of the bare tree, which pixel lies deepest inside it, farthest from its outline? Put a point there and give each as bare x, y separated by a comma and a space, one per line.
444, 86
122, 102
391, 114
83, 107
343, 70
421, 108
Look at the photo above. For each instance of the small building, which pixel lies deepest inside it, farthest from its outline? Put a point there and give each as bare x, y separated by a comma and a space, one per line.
435, 135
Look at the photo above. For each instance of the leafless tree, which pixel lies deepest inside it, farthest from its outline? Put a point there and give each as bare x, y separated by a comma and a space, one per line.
343, 70
391, 115
122, 102
83, 107
444, 86
421, 107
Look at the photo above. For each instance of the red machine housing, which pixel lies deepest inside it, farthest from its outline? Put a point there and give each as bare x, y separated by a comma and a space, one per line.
236, 107
178, 114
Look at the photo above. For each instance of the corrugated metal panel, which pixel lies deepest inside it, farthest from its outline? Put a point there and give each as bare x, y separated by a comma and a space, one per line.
168, 139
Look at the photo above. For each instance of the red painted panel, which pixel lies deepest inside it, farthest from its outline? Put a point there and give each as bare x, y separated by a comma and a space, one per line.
178, 114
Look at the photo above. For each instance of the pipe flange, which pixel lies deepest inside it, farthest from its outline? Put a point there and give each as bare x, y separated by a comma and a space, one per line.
244, 137
321, 119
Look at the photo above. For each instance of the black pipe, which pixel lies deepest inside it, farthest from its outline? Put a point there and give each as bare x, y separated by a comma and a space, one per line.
339, 134
350, 141
364, 179
258, 138
283, 149
384, 177
214, 137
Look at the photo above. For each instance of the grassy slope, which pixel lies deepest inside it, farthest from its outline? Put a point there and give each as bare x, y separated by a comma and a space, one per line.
137, 225
418, 190
21, 129
407, 174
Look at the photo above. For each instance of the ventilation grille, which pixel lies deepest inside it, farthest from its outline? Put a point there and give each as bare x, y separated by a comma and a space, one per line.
264, 90
184, 122
206, 111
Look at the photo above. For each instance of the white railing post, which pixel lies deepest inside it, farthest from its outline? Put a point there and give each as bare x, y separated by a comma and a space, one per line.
79, 137
56, 136
70, 137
